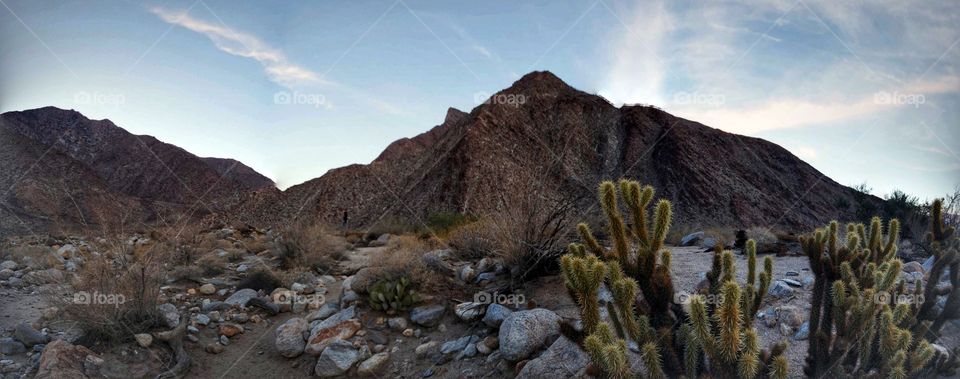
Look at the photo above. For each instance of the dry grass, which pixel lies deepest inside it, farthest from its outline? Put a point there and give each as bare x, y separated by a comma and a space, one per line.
35, 256
114, 298
475, 240
311, 246
403, 256
211, 264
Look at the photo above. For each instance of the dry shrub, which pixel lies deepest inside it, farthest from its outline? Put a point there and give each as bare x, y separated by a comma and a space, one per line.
113, 299
309, 245
212, 265
403, 256
35, 256
261, 279
475, 240
762, 235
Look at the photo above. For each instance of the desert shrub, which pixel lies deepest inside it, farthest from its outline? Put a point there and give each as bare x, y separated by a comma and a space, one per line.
190, 272
475, 240
865, 208
113, 299
913, 216
308, 245
234, 255
36, 256
442, 223
212, 265
391, 225
261, 278
761, 235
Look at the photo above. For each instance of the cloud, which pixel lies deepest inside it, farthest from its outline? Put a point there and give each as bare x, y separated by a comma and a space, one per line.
806, 153
274, 62
638, 71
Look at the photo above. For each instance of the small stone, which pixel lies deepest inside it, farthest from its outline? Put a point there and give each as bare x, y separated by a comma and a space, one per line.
8, 265
495, 315
803, 332
208, 289
469, 311
203, 319
790, 315
229, 330
214, 348
193, 329
169, 315
791, 282
408, 332
224, 340
792, 273
214, 316
492, 342
913, 266
29, 336
808, 282
780, 289
242, 268
289, 341
143, 339
336, 359
426, 350
241, 318
428, 315
8, 346
483, 349
467, 274
786, 330
241, 297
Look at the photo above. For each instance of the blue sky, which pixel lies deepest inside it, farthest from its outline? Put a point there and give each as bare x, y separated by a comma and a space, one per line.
864, 91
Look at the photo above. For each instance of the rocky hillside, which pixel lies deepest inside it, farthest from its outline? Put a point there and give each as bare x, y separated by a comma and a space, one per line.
62, 169
542, 135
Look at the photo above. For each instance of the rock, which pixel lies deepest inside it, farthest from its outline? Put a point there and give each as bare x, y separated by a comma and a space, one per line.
428, 315
912, 277
321, 338
50, 313
169, 315
336, 318
61, 360
289, 341
8, 265
769, 316
486, 264
241, 318
298, 288
192, 329
6, 274
15, 282
241, 297
208, 289
927, 264
492, 342
92, 365
243, 268
9, 346
373, 365
265, 304
408, 332
708, 242
483, 349
213, 348
780, 289
427, 350
913, 266
215, 316
224, 340
786, 330
790, 315
336, 359
467, 274
792, 273
524, 332
495, 315
143, 339
382, 240
29, 336
457, 345
564, 359
68, 251
397, 324
469, 351
803, 332
808, 282
469, 311
691, 239
791, 282
203, 319
325, 311
50, 275
486, 277
229, 330
211, 306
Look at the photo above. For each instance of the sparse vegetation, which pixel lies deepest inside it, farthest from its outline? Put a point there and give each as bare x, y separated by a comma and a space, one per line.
392, 295
308, 245
261, 278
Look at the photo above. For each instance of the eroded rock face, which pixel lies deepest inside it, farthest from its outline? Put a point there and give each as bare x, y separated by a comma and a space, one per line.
525, 332
61, 360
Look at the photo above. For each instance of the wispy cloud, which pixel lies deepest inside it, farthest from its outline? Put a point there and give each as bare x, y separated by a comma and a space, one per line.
276, 65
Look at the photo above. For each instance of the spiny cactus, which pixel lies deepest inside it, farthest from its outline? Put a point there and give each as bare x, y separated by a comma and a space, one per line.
391, 296
862, 311
943, 241
716, 339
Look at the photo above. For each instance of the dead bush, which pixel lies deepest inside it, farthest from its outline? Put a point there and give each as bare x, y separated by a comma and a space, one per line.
474, 240
212, 265
313, 246
112, 299
261, 278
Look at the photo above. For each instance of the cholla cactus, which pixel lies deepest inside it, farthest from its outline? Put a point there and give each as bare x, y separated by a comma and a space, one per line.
717, 340
391, 296
943, 241
862, 311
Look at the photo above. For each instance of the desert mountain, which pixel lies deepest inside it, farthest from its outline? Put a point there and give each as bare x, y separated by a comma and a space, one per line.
542, 136
93, 167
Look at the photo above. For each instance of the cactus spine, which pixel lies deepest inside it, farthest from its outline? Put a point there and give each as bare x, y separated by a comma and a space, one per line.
714, 340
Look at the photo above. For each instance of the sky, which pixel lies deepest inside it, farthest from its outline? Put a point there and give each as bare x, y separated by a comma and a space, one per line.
863, 91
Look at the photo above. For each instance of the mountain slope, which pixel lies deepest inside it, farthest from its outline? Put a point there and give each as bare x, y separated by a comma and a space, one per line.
119, 171
562, 142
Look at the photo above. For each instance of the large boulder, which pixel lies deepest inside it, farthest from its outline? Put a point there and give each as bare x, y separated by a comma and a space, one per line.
336, 359
29, 336
525, 332
692, 239
169, 315
336, 318
364, 279
495, 315
289, 341
564, 359
61, 360
321, 338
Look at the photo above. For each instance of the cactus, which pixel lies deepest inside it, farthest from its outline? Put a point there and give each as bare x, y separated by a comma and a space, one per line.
943, 241
392, 295
862, 313
713, 340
